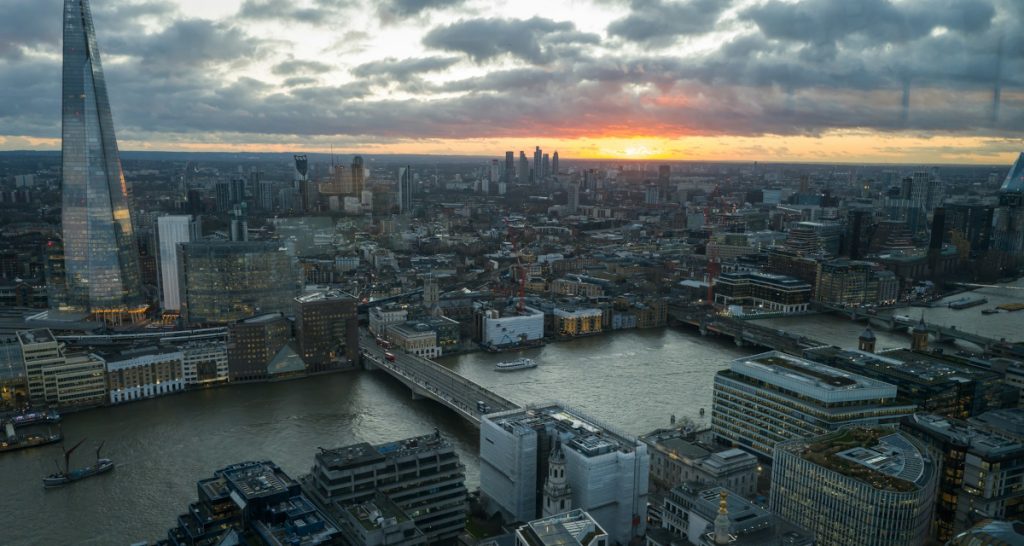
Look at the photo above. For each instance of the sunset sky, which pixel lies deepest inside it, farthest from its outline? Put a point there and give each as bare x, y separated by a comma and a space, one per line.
923, 81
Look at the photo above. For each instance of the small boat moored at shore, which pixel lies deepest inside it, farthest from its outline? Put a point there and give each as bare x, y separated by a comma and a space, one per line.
517, 364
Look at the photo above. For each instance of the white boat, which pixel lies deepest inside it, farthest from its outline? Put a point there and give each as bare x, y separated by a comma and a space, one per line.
517, 364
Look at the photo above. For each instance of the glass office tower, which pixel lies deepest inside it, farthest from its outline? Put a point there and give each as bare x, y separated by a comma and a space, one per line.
100, 254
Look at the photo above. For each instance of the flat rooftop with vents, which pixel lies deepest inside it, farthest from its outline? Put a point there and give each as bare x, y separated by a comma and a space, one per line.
811, 379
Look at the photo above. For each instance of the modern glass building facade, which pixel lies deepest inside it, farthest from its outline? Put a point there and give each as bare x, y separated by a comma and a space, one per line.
864, 486
227, 281
100, 253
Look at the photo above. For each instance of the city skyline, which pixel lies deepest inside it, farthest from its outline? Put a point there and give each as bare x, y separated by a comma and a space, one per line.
885, 82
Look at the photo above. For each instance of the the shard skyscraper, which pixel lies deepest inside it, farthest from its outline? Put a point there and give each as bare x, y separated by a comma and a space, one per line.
101, 258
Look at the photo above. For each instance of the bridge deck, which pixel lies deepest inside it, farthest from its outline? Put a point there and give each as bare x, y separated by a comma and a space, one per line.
431, 380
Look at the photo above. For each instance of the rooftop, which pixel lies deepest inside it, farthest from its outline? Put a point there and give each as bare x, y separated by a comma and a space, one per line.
811, 378
39, 335
987, 443
256, 479
586, 435
571, 528
363, 453
324, 295
908, 365
884, 459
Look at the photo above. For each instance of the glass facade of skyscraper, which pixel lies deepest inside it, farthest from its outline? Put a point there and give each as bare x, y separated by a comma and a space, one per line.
228, 281
100, 254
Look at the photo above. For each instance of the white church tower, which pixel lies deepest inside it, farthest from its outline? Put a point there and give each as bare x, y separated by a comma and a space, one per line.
557, 495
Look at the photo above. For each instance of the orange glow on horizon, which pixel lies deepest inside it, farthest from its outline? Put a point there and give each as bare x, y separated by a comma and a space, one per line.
833, 147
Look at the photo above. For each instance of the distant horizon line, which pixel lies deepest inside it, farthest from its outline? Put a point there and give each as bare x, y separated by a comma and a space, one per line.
501, 158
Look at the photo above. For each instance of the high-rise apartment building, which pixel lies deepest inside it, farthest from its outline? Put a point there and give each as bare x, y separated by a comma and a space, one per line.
227, 281
405, 189
101, 256
773, 397
545, 167
172, 231
265, 195
554, 164
606, 472
864, 486
421, 475
523, 174
327, 329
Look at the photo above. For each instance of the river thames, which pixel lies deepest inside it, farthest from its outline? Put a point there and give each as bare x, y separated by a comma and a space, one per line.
634, 381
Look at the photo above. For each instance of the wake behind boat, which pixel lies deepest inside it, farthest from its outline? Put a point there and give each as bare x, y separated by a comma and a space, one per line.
65, 476
517, 364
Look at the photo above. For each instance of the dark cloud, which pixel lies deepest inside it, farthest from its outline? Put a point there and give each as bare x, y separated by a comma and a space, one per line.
292, 67
390, 10
484, 39
822, 22
796, 68
28, 24
660, 22
402, 69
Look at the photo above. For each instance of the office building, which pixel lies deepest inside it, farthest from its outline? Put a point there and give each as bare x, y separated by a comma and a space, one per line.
537, 157
606, 472
545, 168
981, 472
204, 362
773, 397
678, 457
523, 174
382, 316
327, 330
414, 337
968, 226
858, 485
510, 167
254, 343
405, 189
226, 281
933, 383
765, 292
144, 372
716, 516
421, 475
554, 164
855, 283
101, 256
573, 202
570, 528
815, 238
172, 231
58, 379
252, 503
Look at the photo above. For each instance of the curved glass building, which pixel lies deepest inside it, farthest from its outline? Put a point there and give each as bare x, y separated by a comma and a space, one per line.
101, 259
